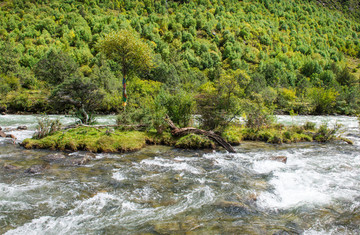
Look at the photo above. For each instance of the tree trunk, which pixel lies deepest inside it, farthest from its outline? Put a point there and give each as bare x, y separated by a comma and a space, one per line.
187, 130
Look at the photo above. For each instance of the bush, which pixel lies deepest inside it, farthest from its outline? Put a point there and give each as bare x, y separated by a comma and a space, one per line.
309, 126
178, 106
257, 115
46, 127
325, 134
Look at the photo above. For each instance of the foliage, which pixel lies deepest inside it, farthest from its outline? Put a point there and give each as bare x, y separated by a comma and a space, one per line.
297, 55
55, 67
219, 103
178, 106
325, 134
78, 92
258, 115
46, 127
128, 50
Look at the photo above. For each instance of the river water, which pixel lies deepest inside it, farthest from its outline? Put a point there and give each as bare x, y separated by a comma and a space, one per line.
163, 190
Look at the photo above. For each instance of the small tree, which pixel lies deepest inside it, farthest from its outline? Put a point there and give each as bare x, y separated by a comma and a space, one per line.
81, 93
130, 52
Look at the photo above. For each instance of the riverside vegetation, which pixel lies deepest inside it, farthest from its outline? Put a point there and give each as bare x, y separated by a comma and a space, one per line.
117, 139
217, 60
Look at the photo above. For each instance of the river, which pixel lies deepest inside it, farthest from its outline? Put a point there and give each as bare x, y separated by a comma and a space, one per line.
163, 190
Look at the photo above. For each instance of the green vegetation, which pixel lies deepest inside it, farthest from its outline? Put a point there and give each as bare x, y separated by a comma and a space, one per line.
108, 139
284, 56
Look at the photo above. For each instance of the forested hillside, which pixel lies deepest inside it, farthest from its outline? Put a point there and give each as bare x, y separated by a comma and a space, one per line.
290, 56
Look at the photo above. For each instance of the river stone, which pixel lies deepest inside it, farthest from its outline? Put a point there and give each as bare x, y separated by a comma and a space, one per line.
282, 159
11, 136
2, 134
36, 169
53, 157
21, 128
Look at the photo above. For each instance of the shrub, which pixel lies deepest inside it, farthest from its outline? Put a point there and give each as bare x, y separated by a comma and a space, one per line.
309, 126
46, 127
325, 134
178, 106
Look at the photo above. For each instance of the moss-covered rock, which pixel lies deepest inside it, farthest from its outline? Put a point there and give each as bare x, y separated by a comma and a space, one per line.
193, 141
90, 139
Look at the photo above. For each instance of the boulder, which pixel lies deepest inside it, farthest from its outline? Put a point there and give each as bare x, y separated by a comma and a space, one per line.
3, 113
21, 128
2, 134
282, 159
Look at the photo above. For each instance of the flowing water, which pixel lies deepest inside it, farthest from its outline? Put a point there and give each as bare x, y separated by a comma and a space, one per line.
162, 190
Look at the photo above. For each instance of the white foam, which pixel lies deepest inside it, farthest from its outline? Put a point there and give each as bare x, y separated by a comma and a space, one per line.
171, 164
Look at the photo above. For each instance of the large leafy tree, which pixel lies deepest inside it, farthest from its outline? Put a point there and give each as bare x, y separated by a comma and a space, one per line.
129, 51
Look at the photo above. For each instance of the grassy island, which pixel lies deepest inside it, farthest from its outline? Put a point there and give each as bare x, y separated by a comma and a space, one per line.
111, 140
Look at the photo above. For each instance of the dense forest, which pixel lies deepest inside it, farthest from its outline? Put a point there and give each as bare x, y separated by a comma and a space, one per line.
285, 56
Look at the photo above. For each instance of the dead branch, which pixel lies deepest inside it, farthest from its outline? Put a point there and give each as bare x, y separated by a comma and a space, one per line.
175, 131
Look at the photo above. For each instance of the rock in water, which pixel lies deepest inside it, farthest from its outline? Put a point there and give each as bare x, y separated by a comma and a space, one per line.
282, 159
22, 128
11, 136
53, 157
36, 169
2, 134
81, 161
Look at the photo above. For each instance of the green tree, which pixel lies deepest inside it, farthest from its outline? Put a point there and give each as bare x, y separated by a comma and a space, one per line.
55, 67
81, 93
130, 52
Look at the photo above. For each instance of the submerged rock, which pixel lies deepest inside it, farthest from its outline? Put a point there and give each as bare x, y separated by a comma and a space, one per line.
81, 161
11, 167
231, 207
53, 157
36, 169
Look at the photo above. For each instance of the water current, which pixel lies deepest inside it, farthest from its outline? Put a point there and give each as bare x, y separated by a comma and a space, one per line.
164, 190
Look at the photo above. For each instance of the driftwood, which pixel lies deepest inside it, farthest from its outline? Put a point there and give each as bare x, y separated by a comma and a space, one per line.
175, 131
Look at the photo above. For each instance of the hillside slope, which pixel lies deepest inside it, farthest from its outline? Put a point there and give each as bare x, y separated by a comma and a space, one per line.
297, 56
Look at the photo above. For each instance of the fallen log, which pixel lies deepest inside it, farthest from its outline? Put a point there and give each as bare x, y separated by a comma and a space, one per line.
175, 131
